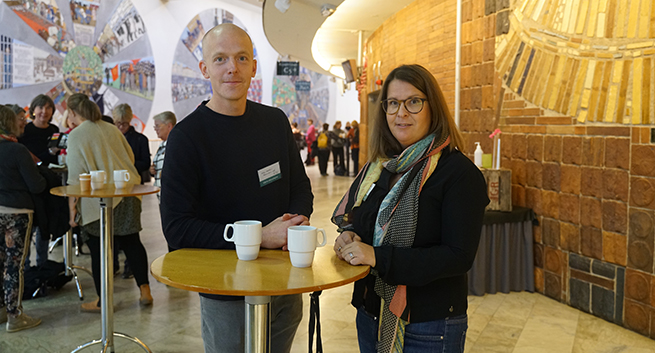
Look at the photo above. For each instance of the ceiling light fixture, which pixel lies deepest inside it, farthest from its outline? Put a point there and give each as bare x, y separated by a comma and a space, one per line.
282, 5
327, 10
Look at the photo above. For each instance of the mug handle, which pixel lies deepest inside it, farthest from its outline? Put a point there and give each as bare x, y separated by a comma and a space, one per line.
225, 233
127, 176
319, 230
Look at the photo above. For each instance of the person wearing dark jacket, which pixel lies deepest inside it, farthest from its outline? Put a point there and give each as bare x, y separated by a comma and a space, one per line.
414, 214
138, 141
19, 179
215, 173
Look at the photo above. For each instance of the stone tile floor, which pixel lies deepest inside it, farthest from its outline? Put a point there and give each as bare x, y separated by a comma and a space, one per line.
515, 322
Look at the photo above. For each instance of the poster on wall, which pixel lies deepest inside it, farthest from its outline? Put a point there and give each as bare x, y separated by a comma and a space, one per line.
32, 65
189, 87
45, 18
302, 97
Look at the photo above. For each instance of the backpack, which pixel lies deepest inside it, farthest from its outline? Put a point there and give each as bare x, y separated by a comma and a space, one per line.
322, 140
37, 279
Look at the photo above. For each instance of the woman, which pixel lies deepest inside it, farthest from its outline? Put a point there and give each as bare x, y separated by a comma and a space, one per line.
414, 214
353, 136
20, 115
19, 178
39, 131
323, 149
97, 145
336, 145
36, 137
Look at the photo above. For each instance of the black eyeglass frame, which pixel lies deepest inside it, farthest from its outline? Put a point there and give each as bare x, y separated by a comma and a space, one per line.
384, 104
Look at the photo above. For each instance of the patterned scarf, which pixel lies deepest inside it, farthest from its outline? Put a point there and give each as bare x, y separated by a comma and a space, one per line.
10, 137
395, 224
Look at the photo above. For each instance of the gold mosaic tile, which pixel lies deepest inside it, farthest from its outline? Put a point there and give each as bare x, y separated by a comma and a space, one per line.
520, 67
611, 102
552, 81
645, 93
592, 16
611, 19
600, 26
637, 77
580, 79
640, 45
582, 116
565, 85
543, 77
557, 83
602, 101
595, 90
570, 87
644, 19
633, 20
618, 73
620, 111
620, 20
530, 80
536, 13
566, 22
586, 96
582, 16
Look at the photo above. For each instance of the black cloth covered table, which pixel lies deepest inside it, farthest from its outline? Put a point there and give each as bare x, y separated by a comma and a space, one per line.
505, 259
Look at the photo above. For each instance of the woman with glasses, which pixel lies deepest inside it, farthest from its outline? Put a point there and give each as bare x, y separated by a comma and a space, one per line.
414, 214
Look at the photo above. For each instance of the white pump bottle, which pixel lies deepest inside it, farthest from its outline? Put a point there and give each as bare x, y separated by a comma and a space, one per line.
478, 155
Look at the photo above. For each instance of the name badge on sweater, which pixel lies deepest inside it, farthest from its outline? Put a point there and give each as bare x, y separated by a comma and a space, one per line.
269, 174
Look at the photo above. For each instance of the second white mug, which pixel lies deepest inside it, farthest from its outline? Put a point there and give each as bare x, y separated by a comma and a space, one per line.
98, 179
302, 241
121, 177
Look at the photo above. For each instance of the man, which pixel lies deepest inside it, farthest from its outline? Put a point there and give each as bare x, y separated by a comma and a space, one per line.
229, 160
139, 142
164, 123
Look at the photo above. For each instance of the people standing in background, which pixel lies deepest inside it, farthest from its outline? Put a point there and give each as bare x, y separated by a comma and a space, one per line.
215, 174
164, 123
20, 115
323, 149
36, 137
139, 142
337, 141
353, 137
97, 145
19, 179
310, 137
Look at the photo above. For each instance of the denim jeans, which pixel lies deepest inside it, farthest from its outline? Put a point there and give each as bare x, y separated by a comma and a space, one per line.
439, 336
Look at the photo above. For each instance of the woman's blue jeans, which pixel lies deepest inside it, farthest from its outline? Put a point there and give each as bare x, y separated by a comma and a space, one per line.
439, 336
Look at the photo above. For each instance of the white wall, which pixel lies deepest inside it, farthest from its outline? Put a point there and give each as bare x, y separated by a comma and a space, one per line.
165, 21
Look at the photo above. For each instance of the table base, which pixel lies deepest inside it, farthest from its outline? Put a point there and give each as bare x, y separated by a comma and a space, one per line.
106, 346
68, 260
258, 324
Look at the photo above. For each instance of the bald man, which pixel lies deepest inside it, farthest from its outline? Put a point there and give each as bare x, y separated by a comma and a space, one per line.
233, 159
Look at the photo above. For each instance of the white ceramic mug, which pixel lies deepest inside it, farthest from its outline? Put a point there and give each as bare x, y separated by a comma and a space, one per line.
302, 242
246, 236
121, 177
98, 179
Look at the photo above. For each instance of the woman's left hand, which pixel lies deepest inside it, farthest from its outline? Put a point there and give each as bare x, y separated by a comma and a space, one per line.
358, 253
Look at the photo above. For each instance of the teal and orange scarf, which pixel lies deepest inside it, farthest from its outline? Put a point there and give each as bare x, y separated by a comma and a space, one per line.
395, 224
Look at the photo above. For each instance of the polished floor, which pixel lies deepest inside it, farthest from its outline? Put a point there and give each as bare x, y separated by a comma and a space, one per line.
515, 322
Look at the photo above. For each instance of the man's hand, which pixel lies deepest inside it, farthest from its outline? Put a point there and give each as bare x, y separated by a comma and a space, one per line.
152, 170
274, 234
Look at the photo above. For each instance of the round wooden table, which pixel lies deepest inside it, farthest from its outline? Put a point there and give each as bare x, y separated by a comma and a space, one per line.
105, 197
220, 272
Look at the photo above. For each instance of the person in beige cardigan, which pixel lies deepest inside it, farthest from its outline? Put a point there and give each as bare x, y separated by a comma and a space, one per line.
98, 145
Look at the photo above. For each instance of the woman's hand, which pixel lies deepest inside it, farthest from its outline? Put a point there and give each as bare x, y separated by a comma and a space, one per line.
353, 250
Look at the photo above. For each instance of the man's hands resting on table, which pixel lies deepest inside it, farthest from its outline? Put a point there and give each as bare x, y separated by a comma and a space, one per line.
274, 234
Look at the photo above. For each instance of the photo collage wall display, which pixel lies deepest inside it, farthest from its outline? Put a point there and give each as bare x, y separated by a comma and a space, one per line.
189, 87
302, 97
92, 59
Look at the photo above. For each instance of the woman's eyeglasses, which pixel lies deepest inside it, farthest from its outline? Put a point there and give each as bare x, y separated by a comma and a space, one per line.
413, 105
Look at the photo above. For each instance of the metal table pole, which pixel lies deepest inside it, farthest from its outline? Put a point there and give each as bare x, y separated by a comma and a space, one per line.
258, 324
107, 282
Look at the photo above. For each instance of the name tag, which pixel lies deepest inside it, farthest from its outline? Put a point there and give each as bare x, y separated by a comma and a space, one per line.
269, 174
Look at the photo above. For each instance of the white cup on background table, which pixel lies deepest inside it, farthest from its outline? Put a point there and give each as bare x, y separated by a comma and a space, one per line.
121, 177
98, 179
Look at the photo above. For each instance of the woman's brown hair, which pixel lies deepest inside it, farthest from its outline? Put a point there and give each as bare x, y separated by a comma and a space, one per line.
84, 107
8, 121
382, 143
